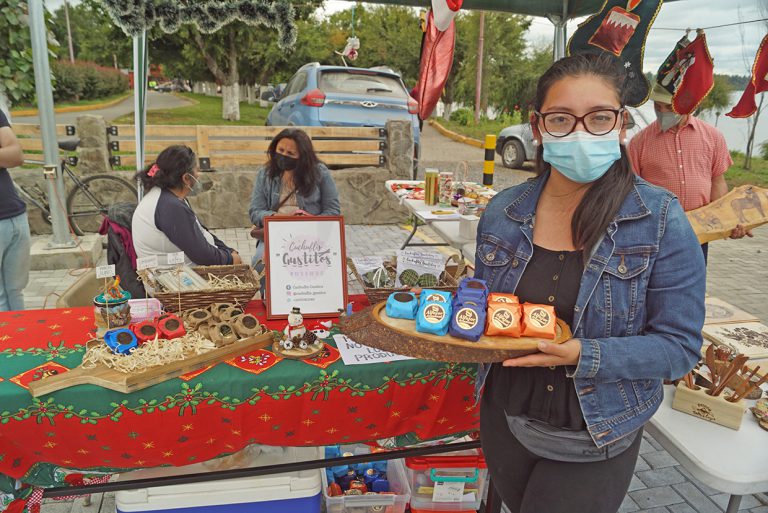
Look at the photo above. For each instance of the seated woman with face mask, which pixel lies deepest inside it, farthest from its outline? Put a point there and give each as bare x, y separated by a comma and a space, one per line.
292, 182
164, 222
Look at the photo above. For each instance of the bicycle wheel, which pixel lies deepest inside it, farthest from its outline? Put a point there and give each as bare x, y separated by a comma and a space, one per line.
88, 204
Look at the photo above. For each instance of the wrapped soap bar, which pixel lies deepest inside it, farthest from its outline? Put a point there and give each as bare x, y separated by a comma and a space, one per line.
539, 321
498, 297
472, 288
402, 305
468, 320
503, 319
434, 317
432, 295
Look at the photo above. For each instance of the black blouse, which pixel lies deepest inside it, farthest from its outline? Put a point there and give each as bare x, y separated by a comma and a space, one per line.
543, 393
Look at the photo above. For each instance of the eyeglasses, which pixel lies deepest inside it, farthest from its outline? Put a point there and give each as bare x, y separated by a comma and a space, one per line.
597, 122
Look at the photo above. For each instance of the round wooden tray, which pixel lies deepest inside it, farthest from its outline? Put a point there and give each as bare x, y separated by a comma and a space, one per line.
296, 353
372, 327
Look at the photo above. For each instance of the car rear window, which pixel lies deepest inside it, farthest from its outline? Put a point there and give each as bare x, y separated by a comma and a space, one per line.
346, 82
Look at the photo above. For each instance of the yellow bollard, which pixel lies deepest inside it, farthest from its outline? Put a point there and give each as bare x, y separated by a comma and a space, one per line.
490, 159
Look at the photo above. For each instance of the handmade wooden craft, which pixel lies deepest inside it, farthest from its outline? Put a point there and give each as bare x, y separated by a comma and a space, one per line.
372, 327
746, 205
103, 376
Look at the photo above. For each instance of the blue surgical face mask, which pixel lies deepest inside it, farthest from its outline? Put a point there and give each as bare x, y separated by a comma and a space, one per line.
580, 156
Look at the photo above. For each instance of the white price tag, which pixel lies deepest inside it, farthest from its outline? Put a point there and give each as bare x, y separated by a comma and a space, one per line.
448, 492
176, 258
148, 262
105, 271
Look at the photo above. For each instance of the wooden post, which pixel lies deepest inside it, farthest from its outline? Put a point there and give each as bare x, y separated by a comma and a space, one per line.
202, 143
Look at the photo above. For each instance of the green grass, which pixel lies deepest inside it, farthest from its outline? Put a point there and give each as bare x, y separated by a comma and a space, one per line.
206, 111
96, 101
479, 131
737, 175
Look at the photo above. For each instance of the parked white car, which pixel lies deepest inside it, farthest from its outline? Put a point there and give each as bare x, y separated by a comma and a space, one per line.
515, 143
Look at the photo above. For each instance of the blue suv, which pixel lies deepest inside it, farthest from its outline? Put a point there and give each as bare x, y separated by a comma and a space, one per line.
339, 96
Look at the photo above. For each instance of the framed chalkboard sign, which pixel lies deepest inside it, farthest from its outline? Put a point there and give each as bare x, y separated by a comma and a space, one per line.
305, 260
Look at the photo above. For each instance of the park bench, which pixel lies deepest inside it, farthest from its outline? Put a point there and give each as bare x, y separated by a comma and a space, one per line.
220, 147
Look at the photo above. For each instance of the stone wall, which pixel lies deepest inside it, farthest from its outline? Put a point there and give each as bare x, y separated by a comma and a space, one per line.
363, 197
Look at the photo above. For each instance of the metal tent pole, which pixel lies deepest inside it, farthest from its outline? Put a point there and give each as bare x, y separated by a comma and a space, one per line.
560, 40
140, 75
61, 235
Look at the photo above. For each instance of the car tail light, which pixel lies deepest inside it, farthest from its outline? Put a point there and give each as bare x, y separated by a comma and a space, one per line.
413, 106
314, 98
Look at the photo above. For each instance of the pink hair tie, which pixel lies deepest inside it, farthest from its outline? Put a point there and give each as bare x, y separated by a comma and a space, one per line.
153, 170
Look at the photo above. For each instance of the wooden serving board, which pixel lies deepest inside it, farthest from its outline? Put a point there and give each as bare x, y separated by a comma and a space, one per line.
103, 376
372, 327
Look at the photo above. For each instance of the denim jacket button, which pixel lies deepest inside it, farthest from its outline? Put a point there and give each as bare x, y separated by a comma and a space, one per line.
550, 388
622, 269
490, 256
515, 263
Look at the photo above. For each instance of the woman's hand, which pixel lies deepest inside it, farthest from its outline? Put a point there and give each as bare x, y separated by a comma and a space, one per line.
300, 212
236, 258
551, 354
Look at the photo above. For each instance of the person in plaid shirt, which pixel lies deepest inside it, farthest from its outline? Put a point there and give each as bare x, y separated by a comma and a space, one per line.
684, 155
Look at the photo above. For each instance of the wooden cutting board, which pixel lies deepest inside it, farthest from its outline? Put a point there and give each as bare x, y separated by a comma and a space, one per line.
372, 327
103, 376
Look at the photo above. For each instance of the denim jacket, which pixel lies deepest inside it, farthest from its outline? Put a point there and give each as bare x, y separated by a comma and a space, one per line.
640, 307
322, 201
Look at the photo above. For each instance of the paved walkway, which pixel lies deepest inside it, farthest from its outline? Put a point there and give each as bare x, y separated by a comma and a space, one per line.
155, 101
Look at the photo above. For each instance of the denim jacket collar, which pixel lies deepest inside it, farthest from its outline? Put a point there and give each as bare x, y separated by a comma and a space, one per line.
523, 207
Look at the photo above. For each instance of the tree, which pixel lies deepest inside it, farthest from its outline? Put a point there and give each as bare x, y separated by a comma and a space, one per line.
504, 56
94, 37
17, 78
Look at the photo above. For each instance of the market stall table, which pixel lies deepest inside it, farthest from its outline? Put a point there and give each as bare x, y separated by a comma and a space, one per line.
254, 398
446, 226
727, 460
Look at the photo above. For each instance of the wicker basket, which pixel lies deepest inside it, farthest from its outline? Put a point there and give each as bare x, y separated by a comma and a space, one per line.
455, 269
203, 298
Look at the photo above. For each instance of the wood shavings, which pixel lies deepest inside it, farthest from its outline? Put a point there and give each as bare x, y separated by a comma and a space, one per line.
151, 354
227, 282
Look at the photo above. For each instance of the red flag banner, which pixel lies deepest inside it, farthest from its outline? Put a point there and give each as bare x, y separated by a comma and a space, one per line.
697, 70
436, 62
758, 84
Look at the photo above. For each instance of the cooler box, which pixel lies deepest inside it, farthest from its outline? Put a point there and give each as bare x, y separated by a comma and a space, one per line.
451, 482
384, 503
297, 492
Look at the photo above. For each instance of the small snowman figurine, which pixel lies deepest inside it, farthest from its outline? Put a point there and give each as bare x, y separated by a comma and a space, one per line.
294, 332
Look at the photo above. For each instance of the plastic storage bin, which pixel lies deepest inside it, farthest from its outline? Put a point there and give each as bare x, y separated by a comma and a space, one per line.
465, 467
297, 492
379, 503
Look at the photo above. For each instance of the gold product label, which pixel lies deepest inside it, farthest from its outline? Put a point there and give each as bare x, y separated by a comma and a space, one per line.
434, 314
466, 318
502, 299
539, 317
502, 318
436, 297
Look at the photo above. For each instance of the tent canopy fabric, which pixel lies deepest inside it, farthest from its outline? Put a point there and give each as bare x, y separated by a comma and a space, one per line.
574, 8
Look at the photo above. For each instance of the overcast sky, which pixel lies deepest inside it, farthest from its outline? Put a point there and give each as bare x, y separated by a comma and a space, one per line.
725, 44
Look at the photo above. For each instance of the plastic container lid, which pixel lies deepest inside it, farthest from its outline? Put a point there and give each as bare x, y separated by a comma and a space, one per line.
459, 461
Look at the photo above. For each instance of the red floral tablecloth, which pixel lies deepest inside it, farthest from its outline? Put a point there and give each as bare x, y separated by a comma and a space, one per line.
254, 398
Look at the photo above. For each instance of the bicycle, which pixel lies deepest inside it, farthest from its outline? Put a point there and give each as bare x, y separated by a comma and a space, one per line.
87, 203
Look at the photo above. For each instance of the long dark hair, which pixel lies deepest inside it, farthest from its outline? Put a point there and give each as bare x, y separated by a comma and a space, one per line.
602, 201
306, 175
172, 164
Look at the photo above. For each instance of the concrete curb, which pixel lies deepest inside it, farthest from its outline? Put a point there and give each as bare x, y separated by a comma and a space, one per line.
477, 143
74, 108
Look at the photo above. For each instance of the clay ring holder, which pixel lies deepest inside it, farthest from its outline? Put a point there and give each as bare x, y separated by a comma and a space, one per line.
196, 318
218, 308
222, 334
247, 325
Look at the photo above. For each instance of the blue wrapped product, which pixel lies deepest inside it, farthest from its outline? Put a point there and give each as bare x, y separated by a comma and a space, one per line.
468, 320
431, 295
402, 305
472, 289
434, 317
